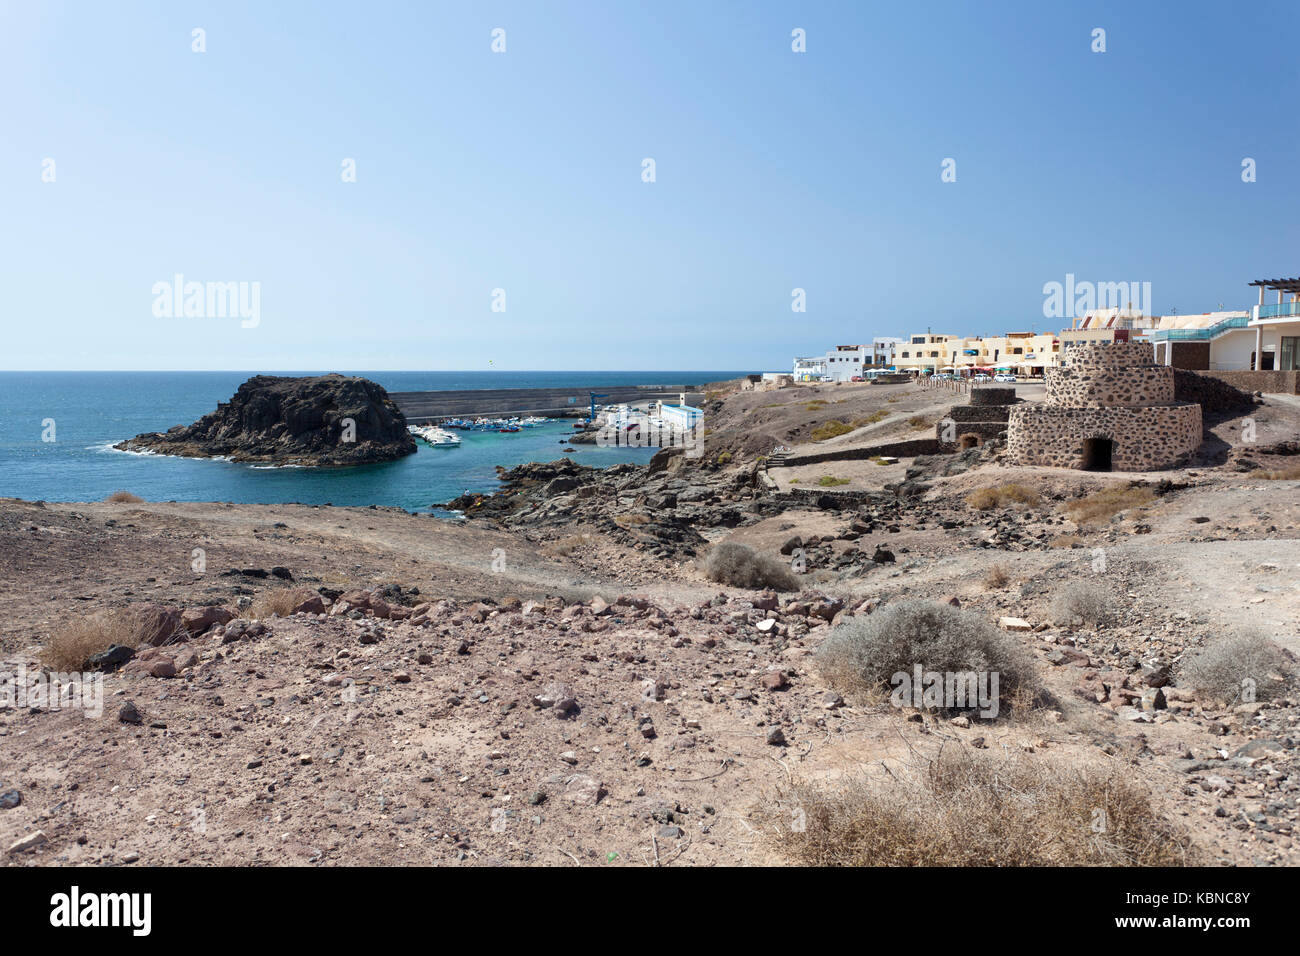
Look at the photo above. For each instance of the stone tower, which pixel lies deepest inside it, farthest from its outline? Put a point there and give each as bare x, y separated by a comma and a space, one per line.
1110, 408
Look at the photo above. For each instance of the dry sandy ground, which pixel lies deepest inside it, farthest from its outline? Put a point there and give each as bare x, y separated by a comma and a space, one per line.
330, 740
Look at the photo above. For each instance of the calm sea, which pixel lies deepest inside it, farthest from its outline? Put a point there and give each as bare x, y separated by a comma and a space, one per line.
93, 410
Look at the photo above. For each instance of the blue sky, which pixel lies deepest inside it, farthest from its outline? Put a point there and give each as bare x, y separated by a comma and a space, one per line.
522, 171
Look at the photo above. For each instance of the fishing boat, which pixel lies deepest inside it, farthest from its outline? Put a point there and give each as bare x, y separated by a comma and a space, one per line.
435, 436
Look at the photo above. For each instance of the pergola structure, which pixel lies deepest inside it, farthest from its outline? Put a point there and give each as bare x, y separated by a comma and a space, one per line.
1281, 286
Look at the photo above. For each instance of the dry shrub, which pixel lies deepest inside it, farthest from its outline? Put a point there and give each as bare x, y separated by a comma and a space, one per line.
830, 429
983, 499
741, 566
1105, 504
1083, 601
919, 421
123, 498
631, 520
1236, 668
70, 649
969, 809
876, 416
279, 602
997, 578
1290, 473
861, 655
830, 481
568, 544
1066, 541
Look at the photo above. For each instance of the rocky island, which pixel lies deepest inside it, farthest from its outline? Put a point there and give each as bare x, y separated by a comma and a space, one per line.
322, 420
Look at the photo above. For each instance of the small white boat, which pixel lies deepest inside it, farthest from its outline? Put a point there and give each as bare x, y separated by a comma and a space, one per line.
435, 436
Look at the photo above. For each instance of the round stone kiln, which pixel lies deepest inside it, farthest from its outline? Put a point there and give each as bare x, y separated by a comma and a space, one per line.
1110, 408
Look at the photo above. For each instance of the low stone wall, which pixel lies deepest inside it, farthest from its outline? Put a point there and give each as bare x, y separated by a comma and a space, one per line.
979, 413
992, 395
1145, 439
1210, 392
983, 432
898, 449
1286, 383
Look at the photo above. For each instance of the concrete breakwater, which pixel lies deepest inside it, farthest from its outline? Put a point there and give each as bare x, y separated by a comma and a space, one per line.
428, 407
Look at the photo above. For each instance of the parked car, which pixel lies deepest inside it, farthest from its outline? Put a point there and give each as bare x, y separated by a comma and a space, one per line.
1004, 377
856, 378
981, 377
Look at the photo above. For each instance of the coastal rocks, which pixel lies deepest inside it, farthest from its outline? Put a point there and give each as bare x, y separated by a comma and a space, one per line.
318, 420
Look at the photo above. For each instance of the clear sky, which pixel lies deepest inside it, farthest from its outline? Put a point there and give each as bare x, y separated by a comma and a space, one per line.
522, 171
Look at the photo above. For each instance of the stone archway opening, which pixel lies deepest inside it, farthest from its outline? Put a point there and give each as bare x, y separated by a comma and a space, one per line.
969, 440
1098, 454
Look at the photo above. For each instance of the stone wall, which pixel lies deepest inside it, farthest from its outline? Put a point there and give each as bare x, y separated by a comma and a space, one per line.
1145, 439
1286, 383
1190, 355
1212, 394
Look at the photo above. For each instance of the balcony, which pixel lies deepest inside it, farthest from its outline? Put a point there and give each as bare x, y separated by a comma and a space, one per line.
1200, 335
1278, 311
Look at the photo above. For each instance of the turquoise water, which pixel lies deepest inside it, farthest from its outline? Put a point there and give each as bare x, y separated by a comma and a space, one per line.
93, 410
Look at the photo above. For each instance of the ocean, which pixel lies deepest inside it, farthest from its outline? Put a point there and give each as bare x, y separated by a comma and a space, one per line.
87, 412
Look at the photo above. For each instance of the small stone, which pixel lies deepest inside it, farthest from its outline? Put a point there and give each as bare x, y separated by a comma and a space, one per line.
776, 737
29, 842
130, 714
10, 799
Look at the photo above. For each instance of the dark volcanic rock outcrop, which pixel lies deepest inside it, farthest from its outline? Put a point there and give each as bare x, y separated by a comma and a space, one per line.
292, 421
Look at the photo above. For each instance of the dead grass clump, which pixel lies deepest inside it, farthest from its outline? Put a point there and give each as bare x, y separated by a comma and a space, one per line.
741, 566
997, 578
568, 544
631, 520
876, 416
1083, 601
70, 648
830, 429
919, 421
279, 602
1233, 669
969, 809
999, 496
123, 498
1284, 474
1066, 541
862, 655
1105, 504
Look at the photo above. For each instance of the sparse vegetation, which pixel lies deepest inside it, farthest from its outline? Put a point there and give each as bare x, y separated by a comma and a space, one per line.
70, 648
123, 498
1290, 473
919, 421
724, 458
861, 655
997, 578
877, 416
968, 809
984, 499
1105, 504
568, 544
830, 481
741, 566
1236, 668
830, 429
1066, 541
278, 601
631, 520
1083, 601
